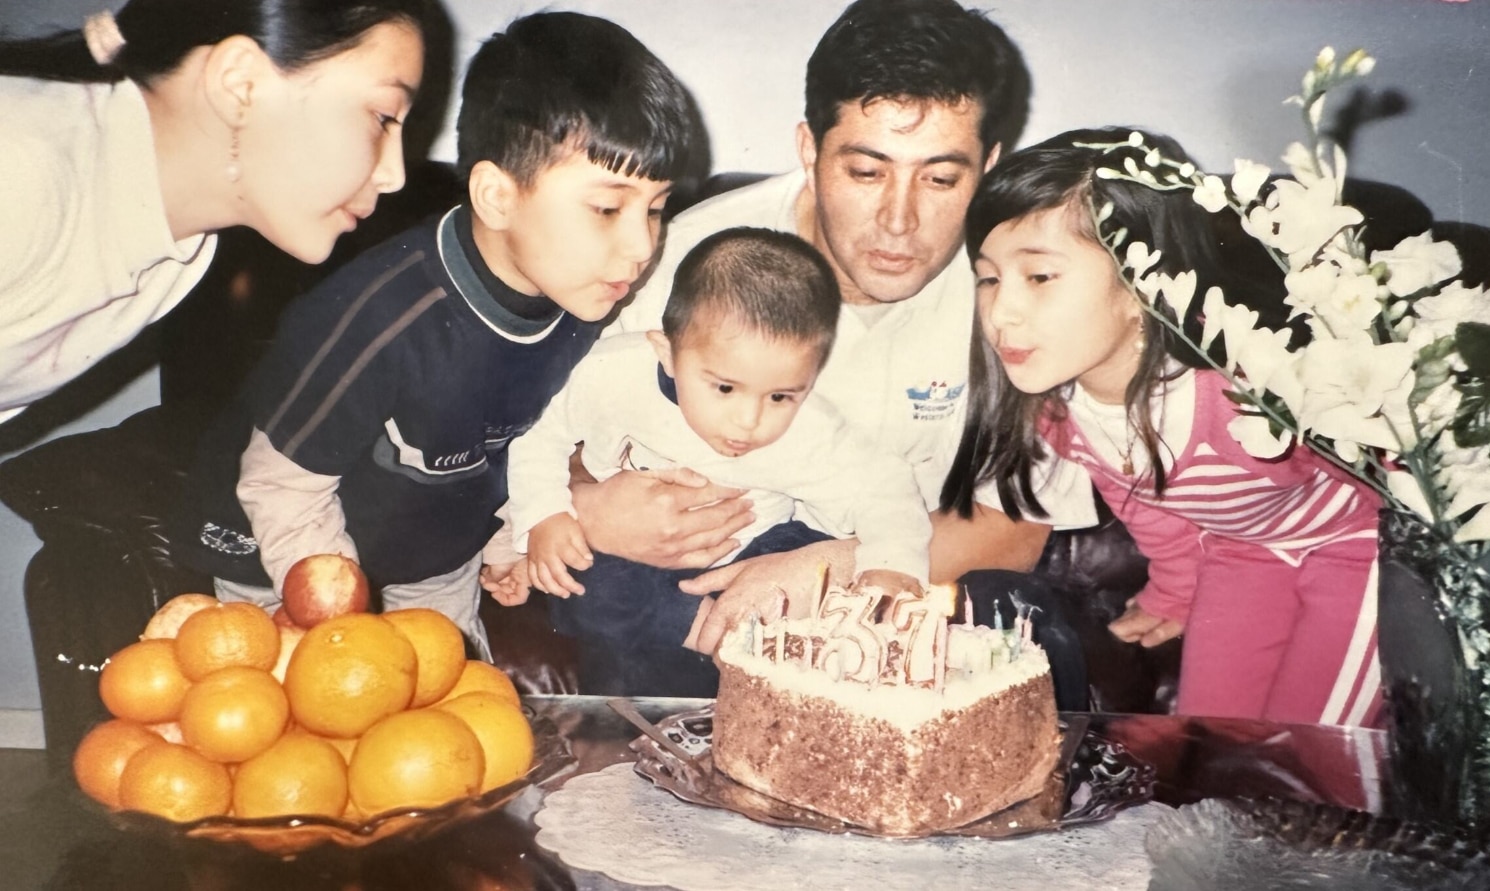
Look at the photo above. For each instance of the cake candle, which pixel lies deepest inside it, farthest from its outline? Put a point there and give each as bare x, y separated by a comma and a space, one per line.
939, 657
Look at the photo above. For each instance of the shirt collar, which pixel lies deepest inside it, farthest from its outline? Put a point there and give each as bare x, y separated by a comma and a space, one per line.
133, 187
502, 307
667, 385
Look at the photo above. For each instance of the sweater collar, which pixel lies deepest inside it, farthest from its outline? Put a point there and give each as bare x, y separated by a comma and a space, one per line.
503, 308
132, 188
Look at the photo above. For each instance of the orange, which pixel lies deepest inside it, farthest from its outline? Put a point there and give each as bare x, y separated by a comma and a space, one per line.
289, 639
167, 620
225, 635
143, 683
234, 713
347, 673
439, 647
480, 676
419, 758
101, 756
299, 774
174, 782
505, 737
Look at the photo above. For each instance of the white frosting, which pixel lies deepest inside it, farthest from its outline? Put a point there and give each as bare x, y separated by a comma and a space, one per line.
979, 665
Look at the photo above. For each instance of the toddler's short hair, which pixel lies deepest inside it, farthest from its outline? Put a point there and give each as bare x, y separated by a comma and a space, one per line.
771, 282
557, 82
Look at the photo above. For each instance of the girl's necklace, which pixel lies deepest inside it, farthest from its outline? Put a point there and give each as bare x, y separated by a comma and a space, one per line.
1124, 452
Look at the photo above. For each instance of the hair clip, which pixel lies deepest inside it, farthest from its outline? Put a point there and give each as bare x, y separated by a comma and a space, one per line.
105, 40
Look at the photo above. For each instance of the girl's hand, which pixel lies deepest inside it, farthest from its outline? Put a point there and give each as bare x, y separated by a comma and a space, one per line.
1136, 625
555, 546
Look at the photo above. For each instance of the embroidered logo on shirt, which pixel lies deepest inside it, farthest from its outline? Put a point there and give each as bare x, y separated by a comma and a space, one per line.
935, 401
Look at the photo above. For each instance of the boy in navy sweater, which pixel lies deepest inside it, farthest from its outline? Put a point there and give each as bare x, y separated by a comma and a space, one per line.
377, 425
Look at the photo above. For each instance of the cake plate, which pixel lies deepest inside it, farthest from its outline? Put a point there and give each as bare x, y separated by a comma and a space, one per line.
1093, 779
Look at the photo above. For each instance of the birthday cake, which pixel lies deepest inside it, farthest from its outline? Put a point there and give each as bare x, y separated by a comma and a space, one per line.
878, 711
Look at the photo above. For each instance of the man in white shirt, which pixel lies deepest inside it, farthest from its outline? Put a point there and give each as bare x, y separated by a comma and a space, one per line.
908, 103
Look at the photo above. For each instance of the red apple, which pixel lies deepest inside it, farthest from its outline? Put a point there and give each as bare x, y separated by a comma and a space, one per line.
282, 618
322, 586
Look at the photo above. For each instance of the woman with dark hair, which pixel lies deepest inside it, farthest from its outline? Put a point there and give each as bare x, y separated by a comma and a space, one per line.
129, 142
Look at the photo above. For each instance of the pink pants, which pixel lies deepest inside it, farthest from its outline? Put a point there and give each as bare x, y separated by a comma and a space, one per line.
1280, 642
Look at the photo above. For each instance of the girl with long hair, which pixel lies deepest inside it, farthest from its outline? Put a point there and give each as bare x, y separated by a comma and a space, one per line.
1266, 567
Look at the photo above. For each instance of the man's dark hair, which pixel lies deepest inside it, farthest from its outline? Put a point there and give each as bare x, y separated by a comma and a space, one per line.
555, 82
771, 282
920, 50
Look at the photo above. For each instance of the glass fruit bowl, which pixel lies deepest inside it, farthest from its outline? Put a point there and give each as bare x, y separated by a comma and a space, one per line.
285, 836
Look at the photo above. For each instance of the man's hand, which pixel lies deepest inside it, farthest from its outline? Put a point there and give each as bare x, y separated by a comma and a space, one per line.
555, 546
507, 584
986, 540
1137, 625
888, 580
671, 519
761, 584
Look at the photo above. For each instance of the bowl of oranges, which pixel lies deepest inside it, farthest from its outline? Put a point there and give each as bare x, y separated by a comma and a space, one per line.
232, 724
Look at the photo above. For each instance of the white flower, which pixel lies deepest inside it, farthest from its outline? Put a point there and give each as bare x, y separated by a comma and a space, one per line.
1248, 179
1178, 290
1476, 529
1436, 411
1356, 392
1298, 220
1139, 258
1301, 162
1211, 193
1342, 301
1418, 262
1439, 315
1406, 489
1256, 436
1222, 317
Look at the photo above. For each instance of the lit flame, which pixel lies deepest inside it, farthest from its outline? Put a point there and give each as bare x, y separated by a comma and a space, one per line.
943, 598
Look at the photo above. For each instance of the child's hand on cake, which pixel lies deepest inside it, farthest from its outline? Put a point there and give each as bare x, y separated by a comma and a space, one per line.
555, 546
1137, 625
887, 580
508, 585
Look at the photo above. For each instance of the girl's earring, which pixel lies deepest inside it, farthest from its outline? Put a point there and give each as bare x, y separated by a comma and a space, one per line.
1140, 341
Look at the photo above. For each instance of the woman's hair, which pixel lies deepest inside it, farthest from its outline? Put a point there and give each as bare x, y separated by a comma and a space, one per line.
1000, 441
158, 34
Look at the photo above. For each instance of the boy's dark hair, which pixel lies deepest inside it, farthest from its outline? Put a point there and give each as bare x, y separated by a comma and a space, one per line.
554, 82
158, 34
771, 282
1000, 441
920, 50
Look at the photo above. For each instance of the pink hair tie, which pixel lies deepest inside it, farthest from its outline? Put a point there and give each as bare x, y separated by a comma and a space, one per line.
103, 37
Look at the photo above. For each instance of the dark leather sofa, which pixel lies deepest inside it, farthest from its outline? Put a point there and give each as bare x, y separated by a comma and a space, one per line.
99, 501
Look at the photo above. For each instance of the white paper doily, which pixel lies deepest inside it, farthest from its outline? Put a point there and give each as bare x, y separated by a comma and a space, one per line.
619, 824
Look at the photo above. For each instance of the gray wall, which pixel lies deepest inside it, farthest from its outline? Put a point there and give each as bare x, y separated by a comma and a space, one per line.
1212, 73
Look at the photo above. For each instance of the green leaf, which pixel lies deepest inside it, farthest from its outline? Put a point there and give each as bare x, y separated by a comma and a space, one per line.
1472, 422
1473, 339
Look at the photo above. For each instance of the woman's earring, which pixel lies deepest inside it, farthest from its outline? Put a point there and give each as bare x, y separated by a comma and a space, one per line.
234, 169
1140, 341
